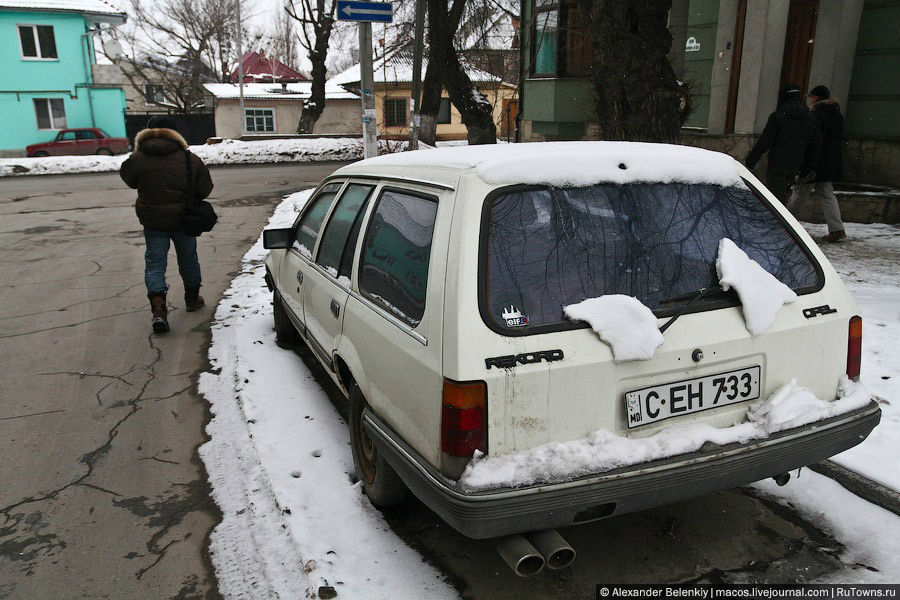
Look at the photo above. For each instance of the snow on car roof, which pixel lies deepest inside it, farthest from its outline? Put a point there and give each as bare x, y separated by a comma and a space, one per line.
570, 164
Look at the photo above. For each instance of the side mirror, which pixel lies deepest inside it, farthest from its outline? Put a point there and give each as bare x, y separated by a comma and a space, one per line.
274, 239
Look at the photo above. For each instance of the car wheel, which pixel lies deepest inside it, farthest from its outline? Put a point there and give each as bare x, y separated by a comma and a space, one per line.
284, 329
380, 482
40, 154
105, 151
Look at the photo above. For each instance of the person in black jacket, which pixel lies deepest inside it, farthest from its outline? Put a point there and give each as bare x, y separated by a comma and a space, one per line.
158, 170
792, 139
827, 112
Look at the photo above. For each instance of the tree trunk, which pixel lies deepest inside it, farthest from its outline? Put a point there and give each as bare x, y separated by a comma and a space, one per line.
431, 100
476, 111
637, 96
315, 104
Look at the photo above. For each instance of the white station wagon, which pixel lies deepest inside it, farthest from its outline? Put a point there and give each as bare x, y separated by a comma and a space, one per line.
433, 286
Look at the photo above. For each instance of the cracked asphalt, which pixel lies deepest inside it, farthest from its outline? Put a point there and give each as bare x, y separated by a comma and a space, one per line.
102, 494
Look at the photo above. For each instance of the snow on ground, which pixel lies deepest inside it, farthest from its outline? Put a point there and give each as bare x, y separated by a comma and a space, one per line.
761, 294
789, 406
621, 321
280, 466
869, 262
870, 535
226, 152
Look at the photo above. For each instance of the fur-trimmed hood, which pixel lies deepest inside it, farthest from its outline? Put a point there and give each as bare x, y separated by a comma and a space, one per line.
827, 104
159, 141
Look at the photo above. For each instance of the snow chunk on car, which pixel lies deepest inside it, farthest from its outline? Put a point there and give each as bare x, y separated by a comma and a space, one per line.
761, 294
789, 406
623, 322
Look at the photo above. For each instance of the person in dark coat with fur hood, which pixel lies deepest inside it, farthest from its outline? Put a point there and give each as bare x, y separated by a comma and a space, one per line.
827, 112
792, 139
158, 170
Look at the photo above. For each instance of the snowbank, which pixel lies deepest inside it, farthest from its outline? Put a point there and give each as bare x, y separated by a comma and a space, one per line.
280, 466
761, 294
568, 164
623, 322
790, 406
226, 152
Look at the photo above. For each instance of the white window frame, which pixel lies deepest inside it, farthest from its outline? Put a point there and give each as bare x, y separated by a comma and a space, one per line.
53, 126
37, 42
274, 119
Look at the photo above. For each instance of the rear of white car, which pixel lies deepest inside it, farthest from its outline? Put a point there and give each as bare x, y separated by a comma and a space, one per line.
518, 374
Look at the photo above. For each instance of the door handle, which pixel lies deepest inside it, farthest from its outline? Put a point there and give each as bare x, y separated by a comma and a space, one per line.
299, 276
335, 309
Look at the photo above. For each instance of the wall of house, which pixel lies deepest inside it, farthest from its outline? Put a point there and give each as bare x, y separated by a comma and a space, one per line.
66, 77
109, 75
454, 130
228, 115
340, 116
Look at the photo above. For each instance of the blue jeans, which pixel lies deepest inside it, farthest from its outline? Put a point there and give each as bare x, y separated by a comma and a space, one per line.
155, 260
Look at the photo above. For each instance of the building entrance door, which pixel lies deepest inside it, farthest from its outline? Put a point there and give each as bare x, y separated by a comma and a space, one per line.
799, 38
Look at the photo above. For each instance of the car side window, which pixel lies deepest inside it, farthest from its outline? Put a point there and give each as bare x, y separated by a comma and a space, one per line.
85, 134
311, 222
66, 136
393, 270
342, 229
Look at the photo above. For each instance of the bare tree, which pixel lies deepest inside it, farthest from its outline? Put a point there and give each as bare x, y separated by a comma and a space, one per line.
637, 95
283, 40
316, 19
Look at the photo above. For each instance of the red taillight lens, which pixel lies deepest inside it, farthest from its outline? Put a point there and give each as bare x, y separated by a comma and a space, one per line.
464, 418
854, 348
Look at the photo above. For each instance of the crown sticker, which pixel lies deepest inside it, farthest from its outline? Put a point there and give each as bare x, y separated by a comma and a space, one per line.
513, 317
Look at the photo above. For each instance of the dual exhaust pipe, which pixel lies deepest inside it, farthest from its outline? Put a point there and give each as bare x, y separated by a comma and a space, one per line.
528, 554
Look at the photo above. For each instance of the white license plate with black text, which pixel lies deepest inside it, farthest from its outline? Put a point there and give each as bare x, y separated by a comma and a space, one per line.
659, 402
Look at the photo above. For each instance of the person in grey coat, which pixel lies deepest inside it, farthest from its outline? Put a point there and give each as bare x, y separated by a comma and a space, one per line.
827, 112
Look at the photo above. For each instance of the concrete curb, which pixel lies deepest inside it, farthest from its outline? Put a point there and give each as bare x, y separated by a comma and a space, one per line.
863, 487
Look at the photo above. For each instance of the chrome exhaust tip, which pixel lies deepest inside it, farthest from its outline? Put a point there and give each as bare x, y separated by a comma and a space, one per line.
557, 552
782, 479
520, 555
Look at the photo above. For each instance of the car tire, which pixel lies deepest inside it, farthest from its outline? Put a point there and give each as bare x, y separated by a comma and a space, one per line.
284, 329
380, 482
104, 152
40, 154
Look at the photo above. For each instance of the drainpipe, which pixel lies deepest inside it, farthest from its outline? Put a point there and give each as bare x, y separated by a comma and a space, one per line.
521, 69
87, 76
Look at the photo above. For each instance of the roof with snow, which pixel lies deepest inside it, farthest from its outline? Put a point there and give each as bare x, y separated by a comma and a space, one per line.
276, 91
261, 68
398, 68
562, 164
98, 10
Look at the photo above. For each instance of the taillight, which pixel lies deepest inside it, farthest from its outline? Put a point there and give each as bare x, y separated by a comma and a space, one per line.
854, 348
463, 418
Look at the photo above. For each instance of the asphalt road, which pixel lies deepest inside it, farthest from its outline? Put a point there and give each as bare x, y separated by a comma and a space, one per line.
101, 491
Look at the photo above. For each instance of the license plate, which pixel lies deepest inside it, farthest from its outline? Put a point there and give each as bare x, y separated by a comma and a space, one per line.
659, 402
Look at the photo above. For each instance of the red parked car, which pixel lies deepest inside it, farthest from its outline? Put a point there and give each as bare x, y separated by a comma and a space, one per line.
88, 140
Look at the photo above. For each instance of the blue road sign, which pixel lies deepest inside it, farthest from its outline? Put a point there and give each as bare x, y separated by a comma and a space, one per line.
376, 12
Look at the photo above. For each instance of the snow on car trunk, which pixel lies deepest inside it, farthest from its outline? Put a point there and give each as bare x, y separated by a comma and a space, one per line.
279, 462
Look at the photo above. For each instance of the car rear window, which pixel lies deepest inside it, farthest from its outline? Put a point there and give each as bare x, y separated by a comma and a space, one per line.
546, 248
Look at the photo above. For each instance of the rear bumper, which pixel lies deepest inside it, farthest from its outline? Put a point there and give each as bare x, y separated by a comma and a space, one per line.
506, 511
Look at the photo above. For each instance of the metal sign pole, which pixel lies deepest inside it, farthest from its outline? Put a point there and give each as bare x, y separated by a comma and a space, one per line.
240, 49
367, 91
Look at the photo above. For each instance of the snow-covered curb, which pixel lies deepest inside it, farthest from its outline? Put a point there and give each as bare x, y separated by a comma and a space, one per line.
280, 466
789, 406
226, 152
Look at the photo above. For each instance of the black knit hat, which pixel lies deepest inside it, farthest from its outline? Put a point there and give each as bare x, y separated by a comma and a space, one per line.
821, 91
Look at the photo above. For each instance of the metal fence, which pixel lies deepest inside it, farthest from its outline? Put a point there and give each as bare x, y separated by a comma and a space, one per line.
194, 127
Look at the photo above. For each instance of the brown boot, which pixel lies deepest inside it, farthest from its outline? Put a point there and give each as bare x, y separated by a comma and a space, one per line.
160, 312
192, 299
834, 236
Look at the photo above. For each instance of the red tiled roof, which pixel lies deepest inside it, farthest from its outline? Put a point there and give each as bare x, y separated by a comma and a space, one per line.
263, 69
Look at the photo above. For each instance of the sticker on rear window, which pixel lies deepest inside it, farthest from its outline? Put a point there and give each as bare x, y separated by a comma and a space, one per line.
513, 317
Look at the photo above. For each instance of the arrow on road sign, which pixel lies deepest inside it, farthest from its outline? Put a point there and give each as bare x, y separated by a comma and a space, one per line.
353, 10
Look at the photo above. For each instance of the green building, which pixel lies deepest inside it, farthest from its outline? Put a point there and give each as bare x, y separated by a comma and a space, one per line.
734, 55
47, 58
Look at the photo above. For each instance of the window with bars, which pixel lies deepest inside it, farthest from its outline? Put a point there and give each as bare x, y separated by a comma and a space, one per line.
50, 113
395, 112
561, 46
37, 42
260, 120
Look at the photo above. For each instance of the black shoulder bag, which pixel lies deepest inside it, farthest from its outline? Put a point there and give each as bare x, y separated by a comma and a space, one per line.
199, 216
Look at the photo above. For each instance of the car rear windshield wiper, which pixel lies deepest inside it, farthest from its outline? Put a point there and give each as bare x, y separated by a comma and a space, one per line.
691, 298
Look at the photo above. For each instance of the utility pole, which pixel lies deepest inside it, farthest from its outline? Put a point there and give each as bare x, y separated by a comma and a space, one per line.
240, 35
418, 50
367, 91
